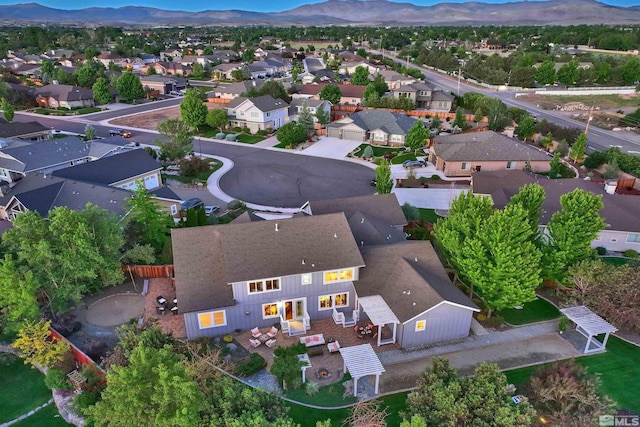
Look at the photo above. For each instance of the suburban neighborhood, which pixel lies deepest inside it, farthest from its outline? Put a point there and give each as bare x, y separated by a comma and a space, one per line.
231, 227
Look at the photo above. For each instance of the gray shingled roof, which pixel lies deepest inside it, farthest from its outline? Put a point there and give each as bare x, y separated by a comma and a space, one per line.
266, 103
64, 92
485, 146
384, 207
112, 169
16, 129
620, 212
39, 155
414, 87
410, 278
370, 231
208, 258
391, 123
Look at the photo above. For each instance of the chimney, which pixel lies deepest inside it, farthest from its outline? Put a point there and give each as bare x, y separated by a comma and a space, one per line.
610, 186
276, 226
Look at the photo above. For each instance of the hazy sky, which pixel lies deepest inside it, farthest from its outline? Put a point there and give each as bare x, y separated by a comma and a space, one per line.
250, 5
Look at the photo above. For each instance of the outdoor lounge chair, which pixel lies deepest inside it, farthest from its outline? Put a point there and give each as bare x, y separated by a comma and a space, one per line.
273, 332
271, 343
255, 332
255, 343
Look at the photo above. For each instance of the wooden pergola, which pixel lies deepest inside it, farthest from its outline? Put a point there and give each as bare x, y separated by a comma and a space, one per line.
380, 314
360, 361
589, 325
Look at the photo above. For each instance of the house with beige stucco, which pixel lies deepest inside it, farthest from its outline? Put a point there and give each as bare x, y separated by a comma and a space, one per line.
462, 154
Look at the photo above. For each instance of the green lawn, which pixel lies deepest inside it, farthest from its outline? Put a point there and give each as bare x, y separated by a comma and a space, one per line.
54, 112
249, 139
22, 388
428, 215
614, 260
534, 311
618, 368
281, 145
48, 416
604, 101
402, 158
328, 395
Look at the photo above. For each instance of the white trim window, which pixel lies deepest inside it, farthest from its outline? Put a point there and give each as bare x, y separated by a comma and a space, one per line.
464, 166
306, 279
270, 310
212, 319
421, 325
511, 165
265, 285
174, 209
338, 275
633, 238
327, 302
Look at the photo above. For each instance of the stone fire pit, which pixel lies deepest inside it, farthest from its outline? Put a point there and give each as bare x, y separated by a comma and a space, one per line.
323, 374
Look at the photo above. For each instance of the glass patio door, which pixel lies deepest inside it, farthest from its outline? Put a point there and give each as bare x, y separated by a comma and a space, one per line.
294, 309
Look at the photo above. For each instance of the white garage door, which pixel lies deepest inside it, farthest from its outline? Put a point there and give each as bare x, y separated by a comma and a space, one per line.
355, 135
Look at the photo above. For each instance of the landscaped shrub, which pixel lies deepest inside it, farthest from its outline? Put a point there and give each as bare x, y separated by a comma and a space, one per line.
481, 317
269, 130
250, 366
235, 204
246, 130
601, 250
221, 135
595, 160
262, 132
227, 338
193, 166
312, 388
56, 379
630, 253
237, 129
231, 137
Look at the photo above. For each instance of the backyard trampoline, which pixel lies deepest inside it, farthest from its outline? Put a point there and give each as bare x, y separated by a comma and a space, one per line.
115, 310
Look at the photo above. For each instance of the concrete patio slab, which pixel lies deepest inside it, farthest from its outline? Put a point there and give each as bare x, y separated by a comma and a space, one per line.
115, 310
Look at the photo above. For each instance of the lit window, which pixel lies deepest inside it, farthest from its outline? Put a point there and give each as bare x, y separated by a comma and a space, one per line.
341, 300
269, 310
255, 287
330, 276
212, 319
266, 285
346, 274
325, 302
421, 325
338, 276
306, 279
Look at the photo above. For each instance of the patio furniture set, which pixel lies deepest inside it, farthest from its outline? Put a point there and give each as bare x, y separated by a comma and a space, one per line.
268, 339
365, 331
161, 308
315, 342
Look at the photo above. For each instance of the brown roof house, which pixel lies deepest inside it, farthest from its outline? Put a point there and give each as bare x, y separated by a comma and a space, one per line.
351, 94
66, 96
424, 96
461, 154
293, 271
620, 212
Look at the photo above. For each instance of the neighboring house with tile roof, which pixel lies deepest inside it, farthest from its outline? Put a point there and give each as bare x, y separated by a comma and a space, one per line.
376, 126
32, 131
234, 90
297, 270
164, 84
393, 79
166, 68
224, 70
461, 154
66, 96
259, 113
620, 212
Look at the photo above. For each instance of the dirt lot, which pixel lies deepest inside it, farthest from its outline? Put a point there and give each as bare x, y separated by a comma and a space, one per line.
150, 120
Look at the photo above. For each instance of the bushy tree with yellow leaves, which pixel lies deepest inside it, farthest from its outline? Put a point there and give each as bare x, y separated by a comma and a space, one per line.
37, 346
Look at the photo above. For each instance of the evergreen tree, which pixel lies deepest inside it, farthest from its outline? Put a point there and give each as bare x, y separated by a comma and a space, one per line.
460, 121
8, 110
305, 119
384, 183
360, 76
417, 136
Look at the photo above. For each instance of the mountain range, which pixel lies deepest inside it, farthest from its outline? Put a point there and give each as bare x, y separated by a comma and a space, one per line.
340, 12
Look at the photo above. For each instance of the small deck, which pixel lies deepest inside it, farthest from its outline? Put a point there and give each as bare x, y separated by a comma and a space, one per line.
169, 322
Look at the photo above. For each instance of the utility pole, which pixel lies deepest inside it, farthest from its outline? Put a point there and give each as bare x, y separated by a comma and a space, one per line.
586, 129
459, 72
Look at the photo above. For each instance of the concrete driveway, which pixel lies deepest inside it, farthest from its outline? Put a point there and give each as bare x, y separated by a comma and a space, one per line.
330, 148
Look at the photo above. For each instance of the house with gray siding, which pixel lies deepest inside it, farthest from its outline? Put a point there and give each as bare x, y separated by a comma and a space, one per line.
620, 211
290, 272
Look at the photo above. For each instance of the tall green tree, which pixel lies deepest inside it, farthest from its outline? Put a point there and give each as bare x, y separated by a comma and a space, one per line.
546, 73
360, 76
568, 74
305, 118
530, 197
89, 132
8, 111
331, 93
380, 84
179, 137
322, 116
101, 92
570, 232
197, 70
129, 86
555, 166
502, 260
154, 224
579, 148
630, 71
417, 136
217, 118
193, 111
18, 294
275, 90
248, 55
526, 128
154, 389
460, 120
370, 95
466, 215
384, 182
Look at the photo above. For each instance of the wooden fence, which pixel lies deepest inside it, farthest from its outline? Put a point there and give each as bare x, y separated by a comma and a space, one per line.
149, 270
78, 355
344, 110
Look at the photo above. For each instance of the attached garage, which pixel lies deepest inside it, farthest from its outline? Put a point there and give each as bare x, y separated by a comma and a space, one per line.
347, 132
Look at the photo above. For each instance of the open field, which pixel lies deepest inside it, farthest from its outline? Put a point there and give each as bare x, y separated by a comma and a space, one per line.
602, 102
151, 119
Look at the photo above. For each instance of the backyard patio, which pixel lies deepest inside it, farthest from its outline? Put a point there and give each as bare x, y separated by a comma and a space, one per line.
170, 322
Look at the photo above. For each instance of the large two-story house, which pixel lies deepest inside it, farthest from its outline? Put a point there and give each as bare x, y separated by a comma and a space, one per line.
424, 96
291, 272
259, 113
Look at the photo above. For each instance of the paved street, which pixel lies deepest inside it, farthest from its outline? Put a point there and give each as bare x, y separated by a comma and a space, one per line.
264, 177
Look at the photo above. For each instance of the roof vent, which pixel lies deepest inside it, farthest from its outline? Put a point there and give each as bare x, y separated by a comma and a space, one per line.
303, 263
277, 226
362, 220
361, 243
416, 259
335, 235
